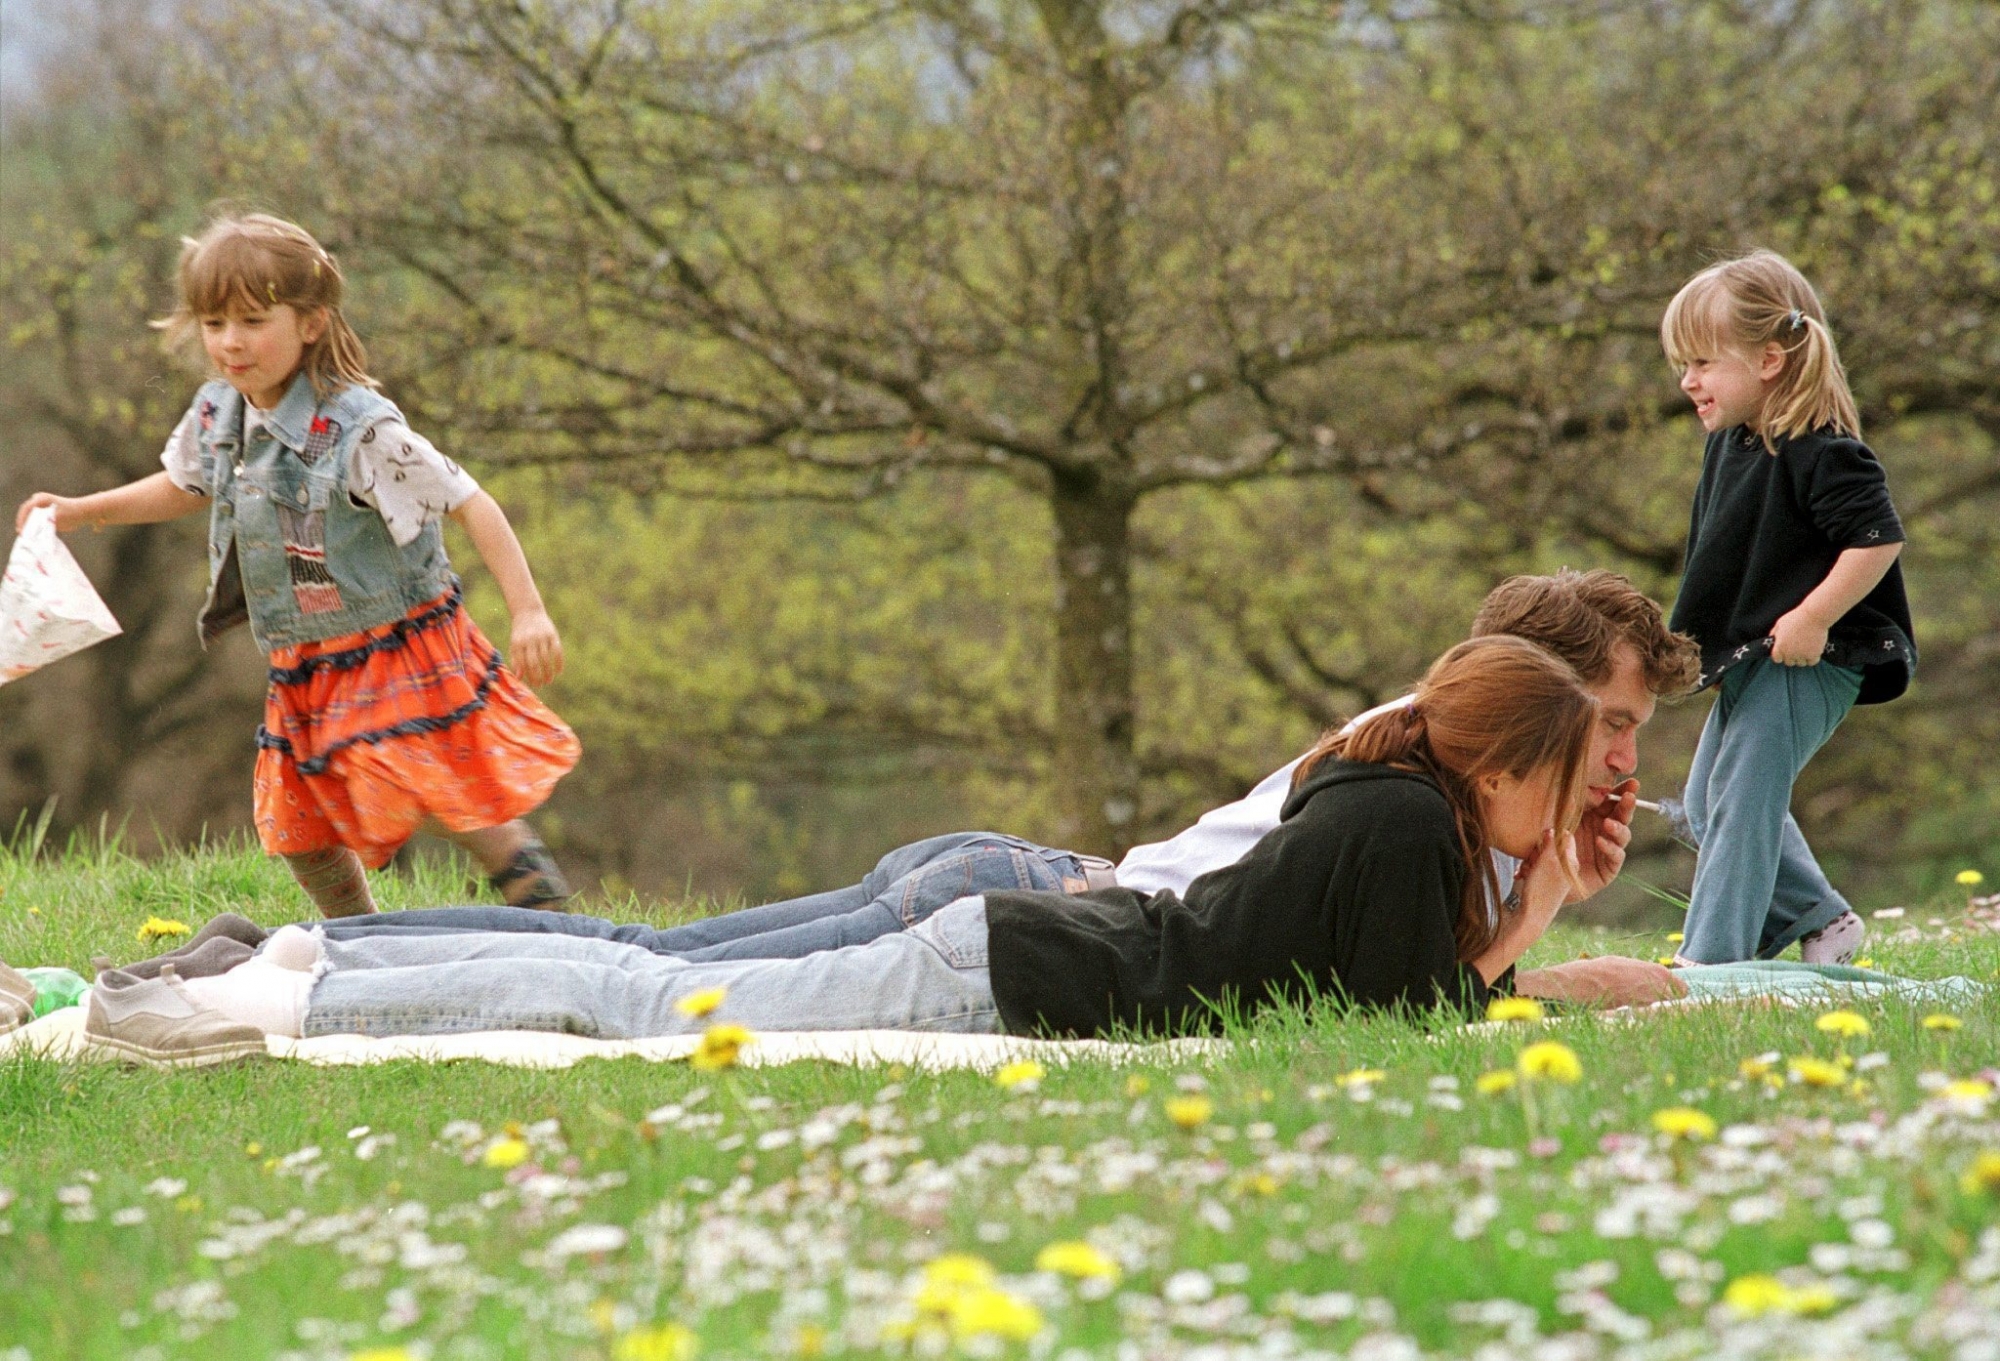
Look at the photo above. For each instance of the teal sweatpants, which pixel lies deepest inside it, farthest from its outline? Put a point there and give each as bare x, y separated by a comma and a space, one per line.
1757, 887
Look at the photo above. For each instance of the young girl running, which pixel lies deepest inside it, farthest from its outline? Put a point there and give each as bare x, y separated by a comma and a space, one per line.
388, 709
1793, 590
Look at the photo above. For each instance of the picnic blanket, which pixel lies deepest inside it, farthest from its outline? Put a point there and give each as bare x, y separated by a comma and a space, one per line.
60, 1034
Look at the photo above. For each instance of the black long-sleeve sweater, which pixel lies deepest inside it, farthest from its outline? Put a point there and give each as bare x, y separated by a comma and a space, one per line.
1767, 528
1354, 895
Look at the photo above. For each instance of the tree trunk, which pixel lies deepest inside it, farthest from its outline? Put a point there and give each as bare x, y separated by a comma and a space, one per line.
1097, 771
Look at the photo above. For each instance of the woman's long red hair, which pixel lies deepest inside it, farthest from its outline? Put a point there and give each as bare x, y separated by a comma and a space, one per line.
1494, 705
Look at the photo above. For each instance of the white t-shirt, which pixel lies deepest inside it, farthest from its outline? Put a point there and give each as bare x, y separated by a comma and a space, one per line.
394, 471
1225, 835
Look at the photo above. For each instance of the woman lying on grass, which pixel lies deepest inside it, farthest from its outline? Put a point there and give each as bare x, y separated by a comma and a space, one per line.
1365, 894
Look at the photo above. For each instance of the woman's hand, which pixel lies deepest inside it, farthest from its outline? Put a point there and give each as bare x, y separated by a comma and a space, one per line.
1544, 885
68, 510
536, 650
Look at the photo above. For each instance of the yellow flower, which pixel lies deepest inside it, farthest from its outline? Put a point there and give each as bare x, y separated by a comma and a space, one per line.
959, 1271
1970, 879
1360, 1077
701, 1003
1969, 1089
1817, 1072
1684, 1122
1664, 961
382, 1354
1756, 1294
1022, 1072
1938, 1020
1983, 1175
1078, 1259
1138, 1085
1865, 962
1811, 1299
1189, 1111
1490, 1084
720, 1045
157, 927
665, 1342
505, 1153
1753, 1068
1556, 1062
1676, 937
1513, 1009
994, 1313
1846, 1024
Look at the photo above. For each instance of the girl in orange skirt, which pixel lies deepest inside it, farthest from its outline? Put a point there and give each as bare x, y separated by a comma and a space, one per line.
389, 712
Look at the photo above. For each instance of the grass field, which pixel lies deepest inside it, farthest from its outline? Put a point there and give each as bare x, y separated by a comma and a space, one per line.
1333, 1187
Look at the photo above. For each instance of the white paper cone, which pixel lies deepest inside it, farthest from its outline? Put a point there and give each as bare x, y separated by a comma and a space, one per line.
48, 608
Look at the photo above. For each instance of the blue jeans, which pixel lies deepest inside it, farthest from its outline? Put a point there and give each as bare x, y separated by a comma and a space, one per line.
1757, 887
906, 886
932, 977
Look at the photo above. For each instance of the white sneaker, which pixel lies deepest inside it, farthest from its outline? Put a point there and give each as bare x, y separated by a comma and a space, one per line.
1835, 943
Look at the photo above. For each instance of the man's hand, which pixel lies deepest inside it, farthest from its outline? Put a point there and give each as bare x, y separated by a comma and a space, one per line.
1602, 836
1798, 639
1613, 981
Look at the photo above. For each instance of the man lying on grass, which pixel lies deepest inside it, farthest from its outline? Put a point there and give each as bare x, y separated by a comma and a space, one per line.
1376, 890
1609, 632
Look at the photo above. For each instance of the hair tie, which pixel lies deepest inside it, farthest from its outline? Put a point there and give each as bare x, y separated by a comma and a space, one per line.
1796, 318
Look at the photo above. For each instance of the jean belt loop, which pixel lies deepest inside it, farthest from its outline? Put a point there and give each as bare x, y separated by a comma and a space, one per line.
1097, 873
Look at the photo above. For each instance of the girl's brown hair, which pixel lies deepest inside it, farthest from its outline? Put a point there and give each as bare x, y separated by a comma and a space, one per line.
1759, 299
1491, 706
251, 261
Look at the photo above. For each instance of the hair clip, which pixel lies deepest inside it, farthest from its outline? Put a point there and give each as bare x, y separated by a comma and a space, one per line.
1796, 318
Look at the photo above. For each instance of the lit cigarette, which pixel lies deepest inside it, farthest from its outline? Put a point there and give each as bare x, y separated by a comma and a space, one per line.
1649, 806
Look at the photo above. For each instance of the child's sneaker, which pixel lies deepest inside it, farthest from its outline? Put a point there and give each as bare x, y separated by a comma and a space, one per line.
1835, 943
155, 1021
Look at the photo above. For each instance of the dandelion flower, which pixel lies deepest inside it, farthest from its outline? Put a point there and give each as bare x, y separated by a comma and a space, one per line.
1757, 1067
1189, 1111
1360, 1077
1938, 1020
959, 1270
993, 1313
1079, 1259
1676, 937
1514, 1009
1817, 1072
1684, 1122
505, 1153
1556, 1062
1968, 1089
1982, 1176
1969, 879
1138, 1085
382, 1354
1846, 1024
701, 1003
1495, 1082
1022, 1073
1756, 1294
719, 1048
665, 1342
158, 928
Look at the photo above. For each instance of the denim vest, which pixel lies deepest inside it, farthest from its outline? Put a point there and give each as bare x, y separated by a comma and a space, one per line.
288, 550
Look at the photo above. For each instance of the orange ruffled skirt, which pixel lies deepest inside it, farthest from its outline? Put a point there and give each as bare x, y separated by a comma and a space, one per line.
368, 735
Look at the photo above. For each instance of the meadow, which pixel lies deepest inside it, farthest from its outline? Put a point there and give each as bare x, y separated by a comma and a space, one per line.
1727, 1181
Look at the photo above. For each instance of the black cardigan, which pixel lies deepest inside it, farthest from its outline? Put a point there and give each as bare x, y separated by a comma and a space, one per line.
1765, 532
1354, 895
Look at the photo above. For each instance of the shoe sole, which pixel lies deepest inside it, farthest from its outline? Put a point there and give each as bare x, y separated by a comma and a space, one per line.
203, 1057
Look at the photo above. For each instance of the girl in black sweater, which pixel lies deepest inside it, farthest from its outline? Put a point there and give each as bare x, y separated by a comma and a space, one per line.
1791, 588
